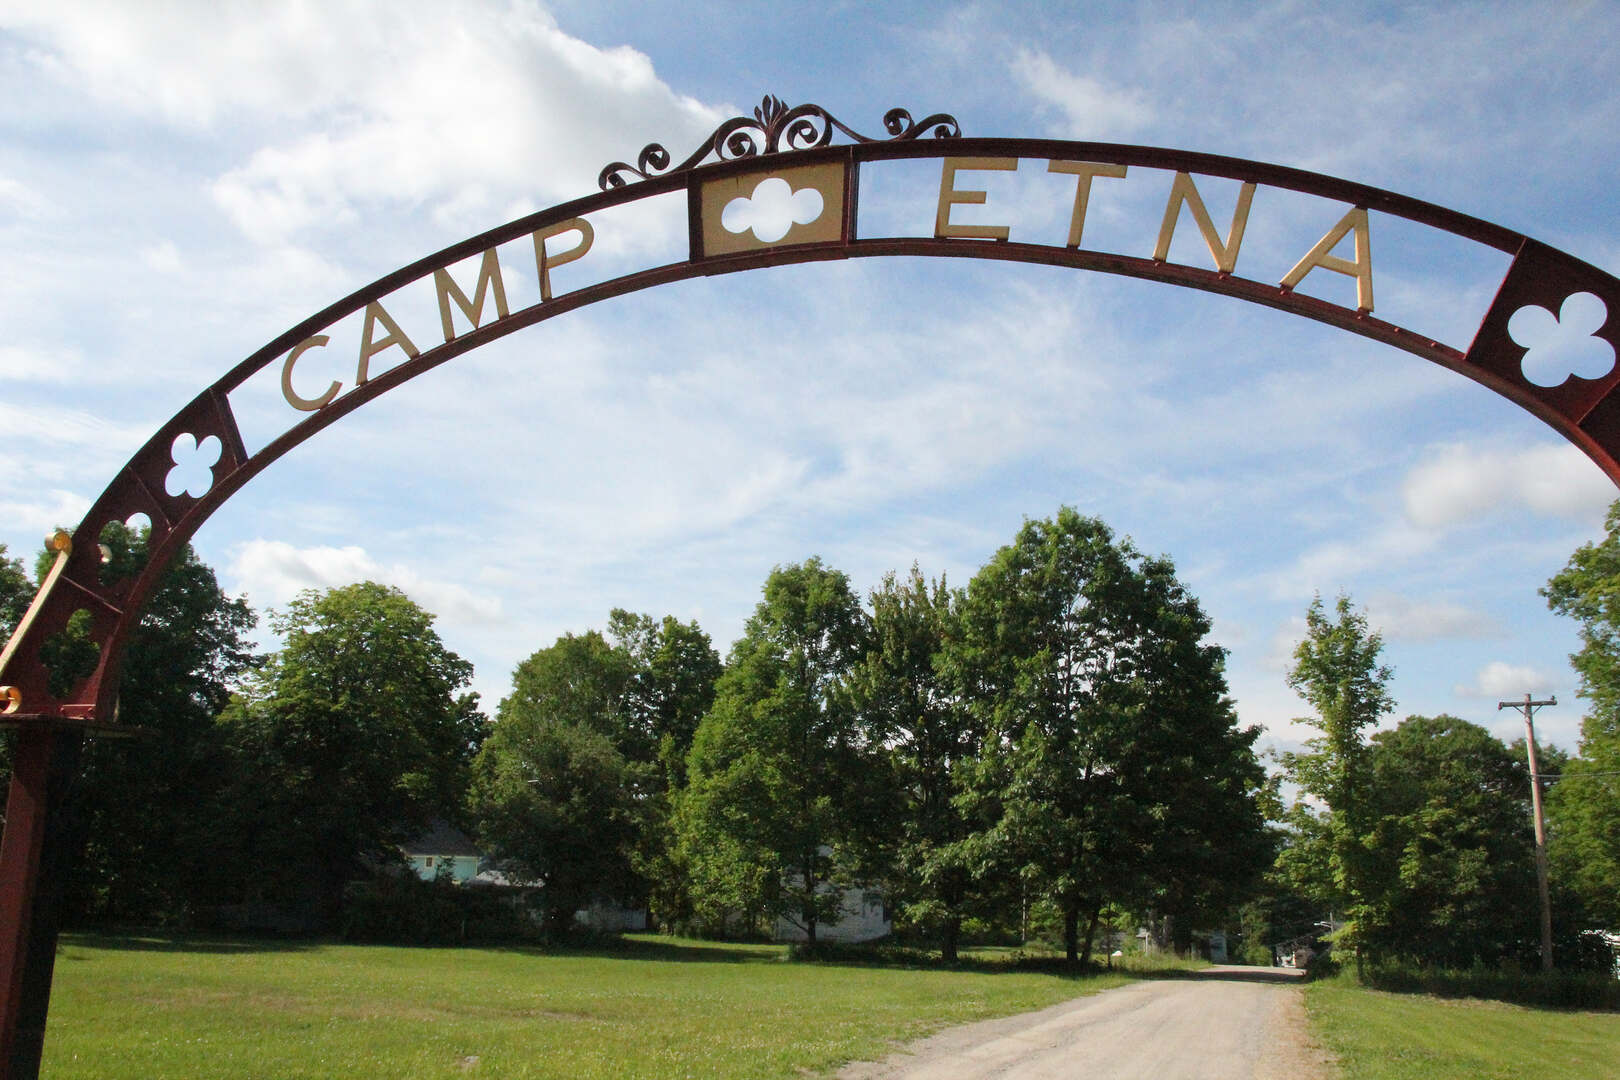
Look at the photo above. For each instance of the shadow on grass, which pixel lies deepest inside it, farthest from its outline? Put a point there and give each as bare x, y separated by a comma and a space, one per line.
915, 959
1274, 976
672, 950
183, 943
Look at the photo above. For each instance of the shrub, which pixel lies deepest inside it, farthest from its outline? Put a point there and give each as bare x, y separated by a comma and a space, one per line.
402, 909
1559, 989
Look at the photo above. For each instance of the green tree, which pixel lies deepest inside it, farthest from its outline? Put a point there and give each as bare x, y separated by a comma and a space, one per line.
1336, 670
143, 816
1452, 875
937, 867
555, 801
580, 680
353, 737
1124, 777
149, 808
643, 688
673, 671
674, 668
1584, 808
780, 765
1304, 864
16, 593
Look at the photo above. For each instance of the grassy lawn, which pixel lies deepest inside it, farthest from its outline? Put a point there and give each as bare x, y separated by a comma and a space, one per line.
1384, 1036
657, 1008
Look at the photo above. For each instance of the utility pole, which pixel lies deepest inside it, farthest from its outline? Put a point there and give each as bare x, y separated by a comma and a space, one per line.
1529, 708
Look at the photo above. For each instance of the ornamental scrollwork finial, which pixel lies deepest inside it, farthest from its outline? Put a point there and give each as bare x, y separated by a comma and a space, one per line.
773, 128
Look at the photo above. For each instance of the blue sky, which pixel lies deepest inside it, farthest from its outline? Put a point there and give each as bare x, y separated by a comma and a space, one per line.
180, 183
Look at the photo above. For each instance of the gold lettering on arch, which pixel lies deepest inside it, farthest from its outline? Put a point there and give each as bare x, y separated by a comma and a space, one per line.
1321, 255
304, 404
376, 313
1184, 191
489, 281
1084, 172
950, 195
545, 261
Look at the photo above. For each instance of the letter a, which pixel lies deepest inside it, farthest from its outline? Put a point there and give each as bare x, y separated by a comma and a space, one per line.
1360, 269
376, 314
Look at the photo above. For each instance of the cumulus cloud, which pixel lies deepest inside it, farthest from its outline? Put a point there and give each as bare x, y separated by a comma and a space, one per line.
1279, 654
274, 572
456, 108
21, 200
1464, 482
47, 511
163, 258
1338, 564
1090, 109
1402, 617
1502, 681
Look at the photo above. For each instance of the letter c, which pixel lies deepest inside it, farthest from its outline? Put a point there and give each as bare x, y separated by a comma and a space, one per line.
305, 404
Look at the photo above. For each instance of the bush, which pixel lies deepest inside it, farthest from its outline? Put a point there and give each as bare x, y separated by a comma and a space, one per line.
402, 909
1552, 989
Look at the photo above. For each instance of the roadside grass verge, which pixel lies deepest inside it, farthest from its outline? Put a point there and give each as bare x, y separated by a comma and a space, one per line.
1552, 989
1381, 1035
151, 1007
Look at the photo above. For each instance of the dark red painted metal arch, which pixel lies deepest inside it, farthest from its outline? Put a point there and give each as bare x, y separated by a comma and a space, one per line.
1586, 411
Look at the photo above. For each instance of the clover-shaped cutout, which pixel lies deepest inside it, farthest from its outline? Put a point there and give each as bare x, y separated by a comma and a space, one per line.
193, 472
772, 210
1565, 345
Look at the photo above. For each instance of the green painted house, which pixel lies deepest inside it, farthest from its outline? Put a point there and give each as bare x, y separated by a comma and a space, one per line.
443, 850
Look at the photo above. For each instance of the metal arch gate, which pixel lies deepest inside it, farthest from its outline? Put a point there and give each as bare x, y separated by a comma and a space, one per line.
794, 145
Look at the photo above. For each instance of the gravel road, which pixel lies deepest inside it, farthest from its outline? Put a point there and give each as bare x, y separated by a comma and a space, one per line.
1222, 1023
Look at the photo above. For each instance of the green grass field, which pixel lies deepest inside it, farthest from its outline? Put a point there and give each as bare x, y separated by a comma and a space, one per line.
145, 1008
1385, 1036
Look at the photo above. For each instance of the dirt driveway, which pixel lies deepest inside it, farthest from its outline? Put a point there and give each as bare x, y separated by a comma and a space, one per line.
1222, 1023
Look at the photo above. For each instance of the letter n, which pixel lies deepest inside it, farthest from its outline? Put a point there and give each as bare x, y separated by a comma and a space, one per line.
1224, 253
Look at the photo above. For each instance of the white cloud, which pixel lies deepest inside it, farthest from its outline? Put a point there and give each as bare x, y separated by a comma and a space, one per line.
22, 200
1090, 108
1279, 654
1460, 483
273, 572
48, 511
84, 432
1337, 565
19, 364
457, 108
546, 113
163, 258
1402, 617
1501, 681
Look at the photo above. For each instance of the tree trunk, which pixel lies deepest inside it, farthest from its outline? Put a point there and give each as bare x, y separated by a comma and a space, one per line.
948, 940
1091, 933
1071, 933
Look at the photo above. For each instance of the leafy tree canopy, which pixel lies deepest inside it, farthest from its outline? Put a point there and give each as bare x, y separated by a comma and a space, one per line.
352, 738
16, 592
1125, 778
1584, 808
781, 764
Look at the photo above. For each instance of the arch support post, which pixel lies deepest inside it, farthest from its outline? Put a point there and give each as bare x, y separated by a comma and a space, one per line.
33, 860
